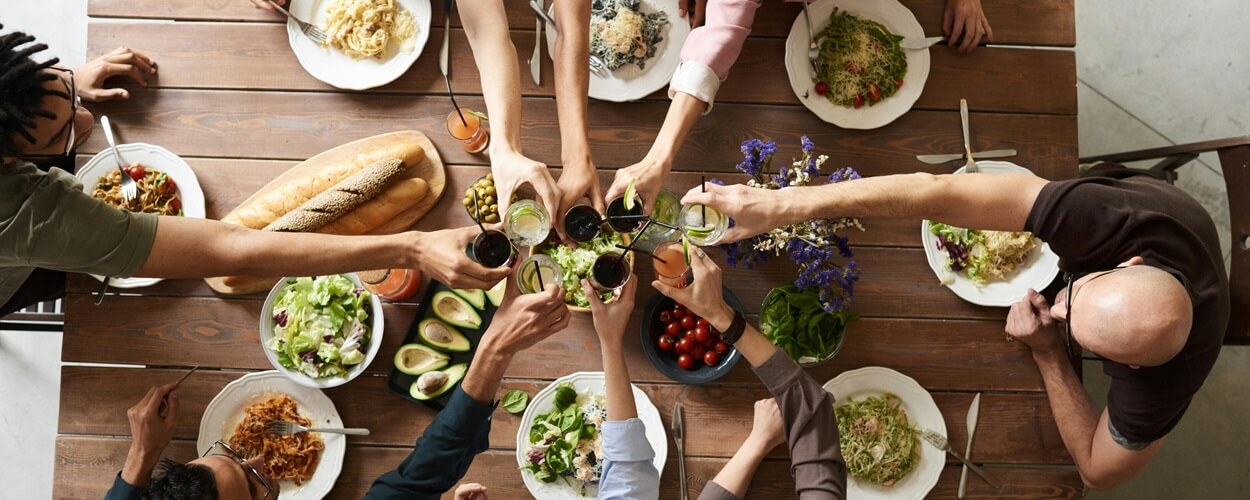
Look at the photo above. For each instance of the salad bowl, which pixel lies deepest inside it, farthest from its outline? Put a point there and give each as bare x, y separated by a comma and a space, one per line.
568, 264
369, 349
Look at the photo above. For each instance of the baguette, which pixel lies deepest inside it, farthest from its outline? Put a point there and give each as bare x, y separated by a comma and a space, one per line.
340, 199
392, 202
263, 210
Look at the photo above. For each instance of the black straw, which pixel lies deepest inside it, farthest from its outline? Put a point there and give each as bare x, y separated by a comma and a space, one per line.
477, 214
703, 189
635, 240
539, 270
453, 101
653, 256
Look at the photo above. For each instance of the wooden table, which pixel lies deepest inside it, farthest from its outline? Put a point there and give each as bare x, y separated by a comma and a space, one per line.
234, 102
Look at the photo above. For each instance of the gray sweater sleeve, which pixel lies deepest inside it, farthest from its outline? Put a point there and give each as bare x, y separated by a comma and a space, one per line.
811, 428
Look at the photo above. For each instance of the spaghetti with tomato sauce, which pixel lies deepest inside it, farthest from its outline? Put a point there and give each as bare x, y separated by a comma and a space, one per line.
158, 193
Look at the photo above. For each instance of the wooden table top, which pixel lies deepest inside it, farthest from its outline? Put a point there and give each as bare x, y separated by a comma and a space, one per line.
233, 101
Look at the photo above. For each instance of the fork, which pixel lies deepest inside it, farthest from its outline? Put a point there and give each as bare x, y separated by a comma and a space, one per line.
813, 51
284, 428
939, 441
596, 65
309, 30
129, 188
971, 167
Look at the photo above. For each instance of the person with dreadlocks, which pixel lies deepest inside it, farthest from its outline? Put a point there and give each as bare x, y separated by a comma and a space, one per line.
49, 225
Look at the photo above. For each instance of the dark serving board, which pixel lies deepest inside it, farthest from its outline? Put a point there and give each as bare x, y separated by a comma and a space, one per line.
400, 382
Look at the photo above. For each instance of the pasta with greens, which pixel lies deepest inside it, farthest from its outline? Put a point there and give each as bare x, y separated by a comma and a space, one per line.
620, 33
878, 443
860, 61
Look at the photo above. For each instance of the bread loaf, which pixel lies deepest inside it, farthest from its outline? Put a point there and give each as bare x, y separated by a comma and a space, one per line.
400, 197
340, 198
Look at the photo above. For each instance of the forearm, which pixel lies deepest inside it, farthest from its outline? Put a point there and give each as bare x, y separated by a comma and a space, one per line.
682, 115
138, 468
486, 25
486, 372
620, 393
736, 476
572, 69
752, 344
195, 248
1074, 413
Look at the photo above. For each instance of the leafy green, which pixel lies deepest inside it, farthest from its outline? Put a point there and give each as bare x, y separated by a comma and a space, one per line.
794, 321
321, 325
554, 437
577, 261
515, 401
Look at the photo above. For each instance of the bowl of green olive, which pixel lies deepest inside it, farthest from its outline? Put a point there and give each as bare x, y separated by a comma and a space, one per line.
483, 189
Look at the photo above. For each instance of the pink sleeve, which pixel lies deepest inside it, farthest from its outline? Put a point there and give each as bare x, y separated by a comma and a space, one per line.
717, 43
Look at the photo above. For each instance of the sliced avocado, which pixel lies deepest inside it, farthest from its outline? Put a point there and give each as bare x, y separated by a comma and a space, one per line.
475, 297
496, 294
455, 310
430, 381
442, 336
415, 359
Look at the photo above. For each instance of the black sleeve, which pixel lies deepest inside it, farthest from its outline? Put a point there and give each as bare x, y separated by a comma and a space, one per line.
1085, 221
1141, 411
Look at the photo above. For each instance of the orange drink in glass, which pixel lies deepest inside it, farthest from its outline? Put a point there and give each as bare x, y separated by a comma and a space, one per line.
471, 133
670, 264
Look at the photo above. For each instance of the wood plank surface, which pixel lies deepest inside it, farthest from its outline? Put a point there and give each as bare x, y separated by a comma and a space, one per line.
298, 125
254, 57
1036, 22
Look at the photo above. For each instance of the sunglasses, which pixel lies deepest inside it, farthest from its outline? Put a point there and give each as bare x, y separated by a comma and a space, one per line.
1072, 278
66, 131
242, 461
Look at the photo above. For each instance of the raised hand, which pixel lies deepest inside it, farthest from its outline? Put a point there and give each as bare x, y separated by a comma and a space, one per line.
611, 318
512, 170
526, 319
753, 210
649, 181
577, 181
705, 297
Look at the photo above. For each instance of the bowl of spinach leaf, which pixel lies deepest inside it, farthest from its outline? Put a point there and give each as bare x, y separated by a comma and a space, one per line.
794, 321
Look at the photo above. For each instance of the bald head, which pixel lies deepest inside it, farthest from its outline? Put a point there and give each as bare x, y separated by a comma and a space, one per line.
1139, 315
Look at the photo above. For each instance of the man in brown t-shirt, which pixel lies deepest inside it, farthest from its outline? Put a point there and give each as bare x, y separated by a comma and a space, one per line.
1147, 288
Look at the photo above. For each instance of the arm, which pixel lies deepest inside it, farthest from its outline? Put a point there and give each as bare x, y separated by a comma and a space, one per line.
1086, 434
965, 24
767, 432
486, 25
579, 179
150, 432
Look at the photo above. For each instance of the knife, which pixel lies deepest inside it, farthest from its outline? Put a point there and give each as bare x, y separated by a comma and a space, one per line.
980, 155
973, 412
924, 43
536, 61
971, 166
679, 438
443, 64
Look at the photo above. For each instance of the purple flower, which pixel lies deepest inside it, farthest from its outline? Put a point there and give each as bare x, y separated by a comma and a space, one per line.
843, 174
716, 181
807, 144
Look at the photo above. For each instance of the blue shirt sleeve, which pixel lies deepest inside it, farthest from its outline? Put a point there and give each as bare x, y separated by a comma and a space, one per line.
628, 471
442, 454
122, 490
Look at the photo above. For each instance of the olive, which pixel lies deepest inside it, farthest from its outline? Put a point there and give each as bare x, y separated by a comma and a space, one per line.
490, 189
490, 177
489, 200
490, 218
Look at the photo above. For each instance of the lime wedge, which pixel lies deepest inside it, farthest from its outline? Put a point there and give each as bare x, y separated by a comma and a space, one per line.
630, 193
685, 249
480, 116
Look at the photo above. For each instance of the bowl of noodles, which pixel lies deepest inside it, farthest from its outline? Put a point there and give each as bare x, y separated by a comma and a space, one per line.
370, 42
306, 465
167, 186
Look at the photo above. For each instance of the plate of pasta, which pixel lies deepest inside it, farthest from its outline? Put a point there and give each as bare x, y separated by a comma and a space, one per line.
640, 42
167, 186
369, 43
306, 465
864, 79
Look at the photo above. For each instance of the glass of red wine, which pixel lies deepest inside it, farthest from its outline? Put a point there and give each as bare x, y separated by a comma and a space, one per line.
491, 248
582, 223
610, 272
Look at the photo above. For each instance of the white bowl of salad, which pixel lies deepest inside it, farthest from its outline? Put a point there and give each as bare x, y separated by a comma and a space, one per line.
321, 331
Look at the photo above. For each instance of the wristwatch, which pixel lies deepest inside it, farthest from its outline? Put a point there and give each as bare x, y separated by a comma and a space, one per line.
734, 332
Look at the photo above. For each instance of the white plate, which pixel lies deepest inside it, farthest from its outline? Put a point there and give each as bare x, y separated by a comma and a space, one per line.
375, 340
921, 410
1038, 272
332, 66
628, 83
584, 383
896, 18
149, 156
226, 410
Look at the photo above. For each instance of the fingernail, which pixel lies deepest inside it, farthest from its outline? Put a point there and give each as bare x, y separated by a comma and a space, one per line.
125, 94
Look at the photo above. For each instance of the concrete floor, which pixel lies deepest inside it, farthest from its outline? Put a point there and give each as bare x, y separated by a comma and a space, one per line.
1165, 73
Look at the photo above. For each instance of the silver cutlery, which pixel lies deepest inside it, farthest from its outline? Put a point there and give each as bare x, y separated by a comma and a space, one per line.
679, 439
920, 43
309, 30
971, 166
938, 441
980, 155
813, 51
443, 63
536, 65
973, 412
284, 428
129, 188
165, 400
596, 65
104, 287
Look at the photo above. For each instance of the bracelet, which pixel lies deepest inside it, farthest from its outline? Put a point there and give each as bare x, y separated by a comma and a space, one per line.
734, 332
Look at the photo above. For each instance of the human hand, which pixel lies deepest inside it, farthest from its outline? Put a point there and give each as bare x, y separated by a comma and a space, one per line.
470, 491
965, 24
705, 296
649, 181
696, 8
440, 255
1029, 322
768, 428
577, 181
121, 61
511, 170
523, 320
150, 430
264, 4
611, 318
753, 210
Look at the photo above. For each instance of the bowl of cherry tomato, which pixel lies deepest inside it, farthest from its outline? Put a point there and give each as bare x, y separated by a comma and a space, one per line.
683, 346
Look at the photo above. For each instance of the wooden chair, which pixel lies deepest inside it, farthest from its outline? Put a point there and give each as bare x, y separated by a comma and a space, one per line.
1234, 156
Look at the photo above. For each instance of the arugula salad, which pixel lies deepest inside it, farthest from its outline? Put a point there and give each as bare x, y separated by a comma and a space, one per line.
321, 325
576, 263
565, 442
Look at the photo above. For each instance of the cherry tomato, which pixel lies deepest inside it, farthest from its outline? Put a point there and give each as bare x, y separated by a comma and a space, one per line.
710, 358
683, 346
698, 351
703, 323
135, 171
672, 330
687, 322
677, 314
666, 343
685, 361
666, 317
822, 88
898, 84
874, 92
859, 101
702, 335
176, 204
168, 187
721, 348
689, 334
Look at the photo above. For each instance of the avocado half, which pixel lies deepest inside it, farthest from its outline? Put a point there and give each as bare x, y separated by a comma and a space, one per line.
415, 359
475, 297
442, 336
454, 374
455, 310
495, 294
